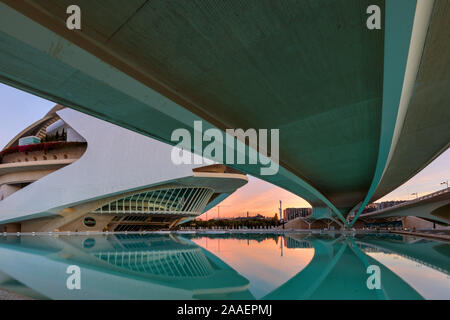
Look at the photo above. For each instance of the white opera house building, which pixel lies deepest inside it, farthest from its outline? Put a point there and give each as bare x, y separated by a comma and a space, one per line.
73, 172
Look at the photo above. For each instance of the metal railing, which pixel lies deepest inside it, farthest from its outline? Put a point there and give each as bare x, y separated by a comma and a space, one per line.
408, 203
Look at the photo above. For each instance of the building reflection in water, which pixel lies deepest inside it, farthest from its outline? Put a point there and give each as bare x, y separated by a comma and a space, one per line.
120, 267
225, 266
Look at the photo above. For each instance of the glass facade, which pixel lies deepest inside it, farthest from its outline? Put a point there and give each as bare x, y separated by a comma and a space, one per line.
182, 200
163, 263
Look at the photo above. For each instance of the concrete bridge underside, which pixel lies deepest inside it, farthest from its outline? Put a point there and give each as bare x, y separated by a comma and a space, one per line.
359, 111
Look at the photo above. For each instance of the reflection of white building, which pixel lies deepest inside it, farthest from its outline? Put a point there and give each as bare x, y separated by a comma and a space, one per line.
118, 267
73, 172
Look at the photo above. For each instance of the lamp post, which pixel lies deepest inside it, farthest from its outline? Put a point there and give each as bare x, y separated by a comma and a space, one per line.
445, 182
281, 214
415, 193
218, 211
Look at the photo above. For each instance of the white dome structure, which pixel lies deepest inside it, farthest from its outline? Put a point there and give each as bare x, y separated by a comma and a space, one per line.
106, 178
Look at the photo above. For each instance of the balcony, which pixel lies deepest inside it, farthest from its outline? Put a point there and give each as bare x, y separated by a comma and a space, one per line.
22, 165
47, 151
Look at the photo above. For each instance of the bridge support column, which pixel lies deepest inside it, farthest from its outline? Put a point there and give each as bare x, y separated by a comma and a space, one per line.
307, 222
329, 223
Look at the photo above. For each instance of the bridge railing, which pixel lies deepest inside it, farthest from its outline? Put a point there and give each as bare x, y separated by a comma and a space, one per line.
407, 203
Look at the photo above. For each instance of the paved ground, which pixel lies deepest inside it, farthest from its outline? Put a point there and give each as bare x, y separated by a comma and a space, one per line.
442, 232
7, 295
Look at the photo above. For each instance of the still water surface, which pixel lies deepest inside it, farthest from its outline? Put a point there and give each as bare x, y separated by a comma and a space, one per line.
224, 266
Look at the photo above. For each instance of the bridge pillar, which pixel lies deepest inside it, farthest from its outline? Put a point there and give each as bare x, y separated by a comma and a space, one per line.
321, 213
411, 222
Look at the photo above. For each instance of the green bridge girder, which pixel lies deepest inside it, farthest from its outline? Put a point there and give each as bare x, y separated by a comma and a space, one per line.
311, 69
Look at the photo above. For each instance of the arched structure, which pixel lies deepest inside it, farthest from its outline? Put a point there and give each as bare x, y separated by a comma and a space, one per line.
122, 267
119, 180
352, 104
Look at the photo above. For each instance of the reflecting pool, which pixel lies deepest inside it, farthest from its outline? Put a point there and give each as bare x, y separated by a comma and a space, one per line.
224, 266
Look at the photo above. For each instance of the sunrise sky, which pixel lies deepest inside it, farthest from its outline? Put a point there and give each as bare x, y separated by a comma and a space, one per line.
22, 109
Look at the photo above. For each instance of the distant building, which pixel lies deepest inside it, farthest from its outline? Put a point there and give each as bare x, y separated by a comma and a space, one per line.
258, 216
292, 213
387, 204
369, 208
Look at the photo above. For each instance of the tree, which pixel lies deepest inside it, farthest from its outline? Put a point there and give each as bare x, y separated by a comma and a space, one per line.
275, 218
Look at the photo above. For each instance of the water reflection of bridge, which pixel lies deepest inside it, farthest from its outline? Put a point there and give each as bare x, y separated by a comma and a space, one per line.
367, 248
259, 237
121, 267
168, 266
435, 255
338, 268
294, 243
338, 271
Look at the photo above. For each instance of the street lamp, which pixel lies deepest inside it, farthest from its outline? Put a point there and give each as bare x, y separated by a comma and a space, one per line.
218, 211
415, 193
445, 182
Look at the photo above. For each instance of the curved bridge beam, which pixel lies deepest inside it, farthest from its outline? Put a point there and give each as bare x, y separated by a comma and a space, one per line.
406, 23
244, 70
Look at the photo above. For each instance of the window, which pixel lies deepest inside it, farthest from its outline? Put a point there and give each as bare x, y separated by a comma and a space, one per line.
89, 243
89, 222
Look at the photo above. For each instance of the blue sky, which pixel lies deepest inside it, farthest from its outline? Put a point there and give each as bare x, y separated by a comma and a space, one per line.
21, 109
